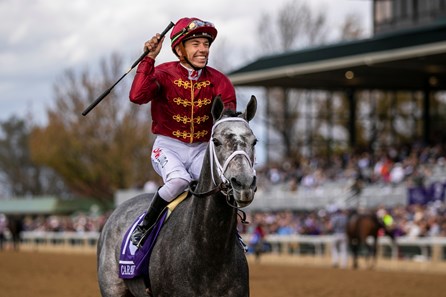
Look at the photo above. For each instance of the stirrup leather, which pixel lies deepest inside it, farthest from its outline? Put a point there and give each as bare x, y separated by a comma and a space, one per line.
143, 232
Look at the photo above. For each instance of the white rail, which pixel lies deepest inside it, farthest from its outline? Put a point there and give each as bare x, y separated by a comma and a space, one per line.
60, 241
427, 248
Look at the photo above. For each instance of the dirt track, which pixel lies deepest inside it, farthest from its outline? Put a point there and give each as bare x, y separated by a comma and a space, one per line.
41, 274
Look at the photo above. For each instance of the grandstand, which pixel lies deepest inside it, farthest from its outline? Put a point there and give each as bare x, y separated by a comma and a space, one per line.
396, 76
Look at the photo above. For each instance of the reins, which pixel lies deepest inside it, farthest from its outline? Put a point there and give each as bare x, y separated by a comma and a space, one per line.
220, 188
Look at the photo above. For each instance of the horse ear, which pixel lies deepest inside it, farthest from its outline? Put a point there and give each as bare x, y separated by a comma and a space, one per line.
217, 108
251, 109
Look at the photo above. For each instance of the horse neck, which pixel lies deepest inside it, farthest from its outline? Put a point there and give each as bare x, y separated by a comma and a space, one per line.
212, 216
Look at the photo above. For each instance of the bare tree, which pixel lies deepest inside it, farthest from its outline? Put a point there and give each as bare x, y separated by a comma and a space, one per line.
295, 26
97, 154
351, 29
19, 175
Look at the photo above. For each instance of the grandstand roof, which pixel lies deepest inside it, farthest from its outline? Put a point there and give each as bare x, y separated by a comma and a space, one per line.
404, 60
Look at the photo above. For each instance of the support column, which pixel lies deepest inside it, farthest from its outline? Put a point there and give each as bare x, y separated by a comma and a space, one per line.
352, 117
266, 136
426, 115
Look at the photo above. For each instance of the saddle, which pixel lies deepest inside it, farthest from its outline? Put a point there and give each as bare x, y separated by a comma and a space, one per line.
134, 261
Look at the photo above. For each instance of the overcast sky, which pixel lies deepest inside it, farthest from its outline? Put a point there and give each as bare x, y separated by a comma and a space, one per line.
40, 39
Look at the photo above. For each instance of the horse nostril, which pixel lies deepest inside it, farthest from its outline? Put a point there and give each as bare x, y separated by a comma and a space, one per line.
254, 182
238, 185
235, 183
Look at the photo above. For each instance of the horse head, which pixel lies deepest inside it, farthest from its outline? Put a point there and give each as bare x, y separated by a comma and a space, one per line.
232, 150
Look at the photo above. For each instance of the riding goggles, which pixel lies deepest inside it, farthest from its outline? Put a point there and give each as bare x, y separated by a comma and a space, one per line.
192, 26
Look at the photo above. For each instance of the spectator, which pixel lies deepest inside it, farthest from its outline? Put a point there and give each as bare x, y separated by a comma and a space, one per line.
397, 174
339, 253
257, 240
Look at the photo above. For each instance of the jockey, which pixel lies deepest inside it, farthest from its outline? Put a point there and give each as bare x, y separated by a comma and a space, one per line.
181, 93
386, 219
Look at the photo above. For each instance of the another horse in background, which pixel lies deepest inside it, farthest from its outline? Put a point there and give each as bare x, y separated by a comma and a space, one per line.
3, 226
360, 226
15, 225
198, 252
11, 228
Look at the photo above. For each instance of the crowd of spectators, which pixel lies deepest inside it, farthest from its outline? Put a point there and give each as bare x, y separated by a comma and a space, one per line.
411, 220
392, 166
78, 222
411, 165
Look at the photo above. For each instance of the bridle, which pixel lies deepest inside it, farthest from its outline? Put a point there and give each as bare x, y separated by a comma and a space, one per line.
221, 169
224, 186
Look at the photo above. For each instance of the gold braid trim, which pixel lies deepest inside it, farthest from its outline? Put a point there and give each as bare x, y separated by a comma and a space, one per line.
185, 120
188, 85
186, 103
201, 84
186, 134
181, 83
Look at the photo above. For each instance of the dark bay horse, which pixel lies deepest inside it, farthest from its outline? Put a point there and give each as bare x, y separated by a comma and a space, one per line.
197, 252
361, 226
13, 224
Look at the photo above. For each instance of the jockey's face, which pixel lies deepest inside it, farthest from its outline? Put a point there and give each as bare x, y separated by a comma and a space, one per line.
197, 51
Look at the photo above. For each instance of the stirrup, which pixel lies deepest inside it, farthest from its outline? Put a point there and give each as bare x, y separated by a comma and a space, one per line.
143, 237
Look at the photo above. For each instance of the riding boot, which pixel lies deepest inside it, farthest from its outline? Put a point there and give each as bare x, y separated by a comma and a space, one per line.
155, 209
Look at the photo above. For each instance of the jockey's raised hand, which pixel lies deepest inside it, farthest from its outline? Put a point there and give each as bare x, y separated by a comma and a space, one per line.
154, 46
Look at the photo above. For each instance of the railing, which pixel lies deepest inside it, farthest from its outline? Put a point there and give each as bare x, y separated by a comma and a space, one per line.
420, 249
60, 241
431, 249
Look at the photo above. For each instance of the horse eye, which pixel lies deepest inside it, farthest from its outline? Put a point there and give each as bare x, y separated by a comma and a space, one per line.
254, 142
216, 142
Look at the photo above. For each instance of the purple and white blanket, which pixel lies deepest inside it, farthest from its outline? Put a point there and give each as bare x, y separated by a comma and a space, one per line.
133, 261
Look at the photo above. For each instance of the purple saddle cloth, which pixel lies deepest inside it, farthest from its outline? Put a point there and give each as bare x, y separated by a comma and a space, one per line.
133, 261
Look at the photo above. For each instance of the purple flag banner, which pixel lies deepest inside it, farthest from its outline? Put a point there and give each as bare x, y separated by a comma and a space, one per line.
427, 194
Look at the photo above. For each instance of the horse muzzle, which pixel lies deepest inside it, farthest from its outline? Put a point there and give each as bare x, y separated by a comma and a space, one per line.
243, 194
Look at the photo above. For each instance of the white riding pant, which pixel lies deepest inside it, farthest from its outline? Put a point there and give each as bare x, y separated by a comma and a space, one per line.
178, 163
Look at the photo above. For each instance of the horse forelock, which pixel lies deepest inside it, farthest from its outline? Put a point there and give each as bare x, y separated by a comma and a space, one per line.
230, 113
230, 118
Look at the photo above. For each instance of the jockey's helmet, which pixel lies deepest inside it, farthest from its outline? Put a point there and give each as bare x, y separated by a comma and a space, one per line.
187, 28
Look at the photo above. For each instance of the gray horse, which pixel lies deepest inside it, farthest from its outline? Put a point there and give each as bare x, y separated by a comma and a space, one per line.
197, 252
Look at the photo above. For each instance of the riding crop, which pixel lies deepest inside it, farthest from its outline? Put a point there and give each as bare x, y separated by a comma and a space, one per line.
106, 92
